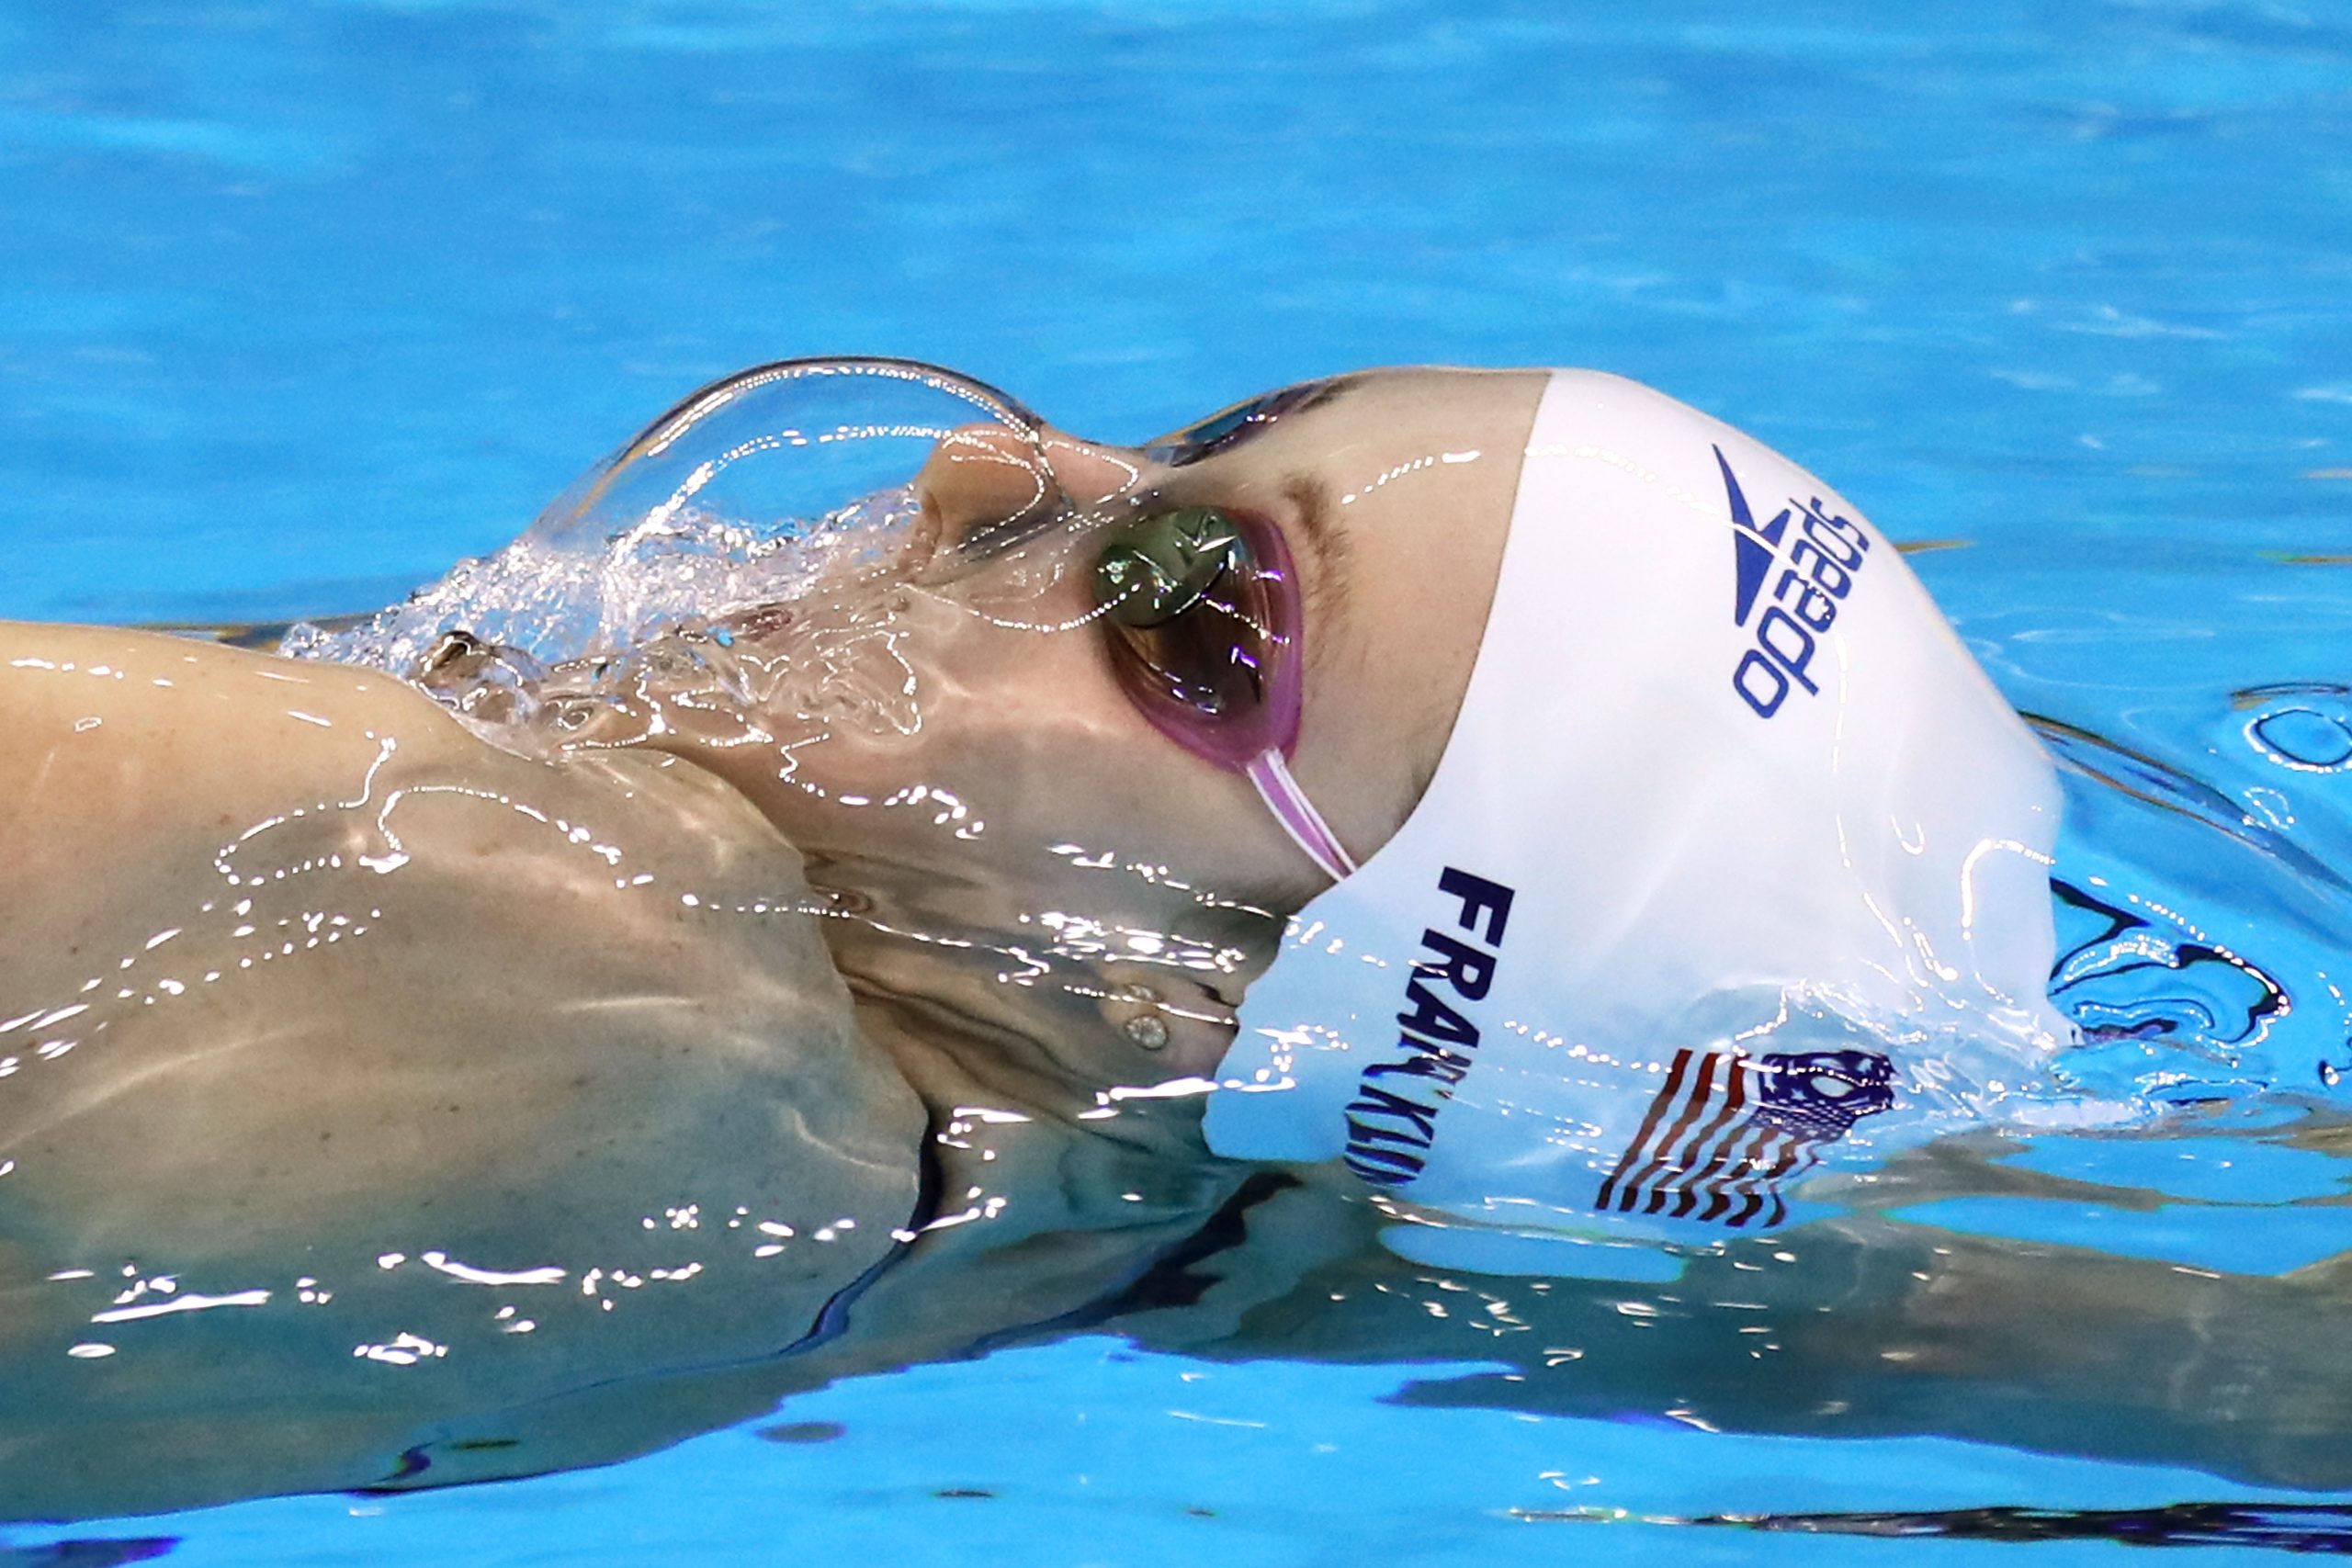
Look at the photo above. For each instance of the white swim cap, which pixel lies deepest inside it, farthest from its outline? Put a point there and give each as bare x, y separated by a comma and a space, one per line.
1734, 856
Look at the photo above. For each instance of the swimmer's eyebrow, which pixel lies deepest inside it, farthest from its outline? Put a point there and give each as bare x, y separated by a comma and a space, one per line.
1323, 575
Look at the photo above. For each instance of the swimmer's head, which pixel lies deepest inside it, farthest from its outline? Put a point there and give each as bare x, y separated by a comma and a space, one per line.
1069, 730
1026, 714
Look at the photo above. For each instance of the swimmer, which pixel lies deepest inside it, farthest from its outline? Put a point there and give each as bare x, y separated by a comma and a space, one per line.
1514, 790
1453, 668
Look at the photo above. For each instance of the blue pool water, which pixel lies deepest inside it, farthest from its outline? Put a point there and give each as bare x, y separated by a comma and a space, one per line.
301, 301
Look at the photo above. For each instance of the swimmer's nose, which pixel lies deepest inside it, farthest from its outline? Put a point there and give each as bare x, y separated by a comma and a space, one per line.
980, 477
1089, 472
984, 477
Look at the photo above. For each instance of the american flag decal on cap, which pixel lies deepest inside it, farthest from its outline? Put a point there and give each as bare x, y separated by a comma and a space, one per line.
1727, 1130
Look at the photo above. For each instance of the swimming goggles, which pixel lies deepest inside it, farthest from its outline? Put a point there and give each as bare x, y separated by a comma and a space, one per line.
760, 487
1203, 620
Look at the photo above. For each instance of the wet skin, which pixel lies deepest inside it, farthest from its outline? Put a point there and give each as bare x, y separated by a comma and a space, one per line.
525, 1056
484, 1043
1028, 887
1087, 855
429, 1013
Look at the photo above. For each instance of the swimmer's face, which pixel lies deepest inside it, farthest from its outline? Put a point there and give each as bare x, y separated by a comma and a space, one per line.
1004, 835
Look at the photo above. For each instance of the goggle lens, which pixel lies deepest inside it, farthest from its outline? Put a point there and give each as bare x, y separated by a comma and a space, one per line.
1200, 606
1201, 610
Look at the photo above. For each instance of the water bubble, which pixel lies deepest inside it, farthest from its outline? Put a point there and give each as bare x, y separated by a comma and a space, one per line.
2303, 738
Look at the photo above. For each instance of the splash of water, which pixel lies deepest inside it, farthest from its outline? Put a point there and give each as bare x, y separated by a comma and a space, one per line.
557, 596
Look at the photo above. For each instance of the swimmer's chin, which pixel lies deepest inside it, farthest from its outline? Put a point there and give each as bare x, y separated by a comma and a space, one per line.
1085, 1045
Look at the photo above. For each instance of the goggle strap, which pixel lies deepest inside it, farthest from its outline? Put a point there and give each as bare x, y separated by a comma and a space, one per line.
1298, 817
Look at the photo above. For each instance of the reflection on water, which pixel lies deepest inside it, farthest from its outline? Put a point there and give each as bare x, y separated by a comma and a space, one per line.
2031, 289
2142, 1261
2285, 1527
2162, 1288
1878, 1324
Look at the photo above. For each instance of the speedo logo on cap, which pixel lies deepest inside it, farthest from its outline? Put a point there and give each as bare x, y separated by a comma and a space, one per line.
1815, 574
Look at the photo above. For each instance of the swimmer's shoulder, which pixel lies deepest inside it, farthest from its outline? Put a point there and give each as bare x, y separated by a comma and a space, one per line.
125, 712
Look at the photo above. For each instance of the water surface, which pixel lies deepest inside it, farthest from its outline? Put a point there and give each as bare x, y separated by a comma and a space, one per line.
304, 302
